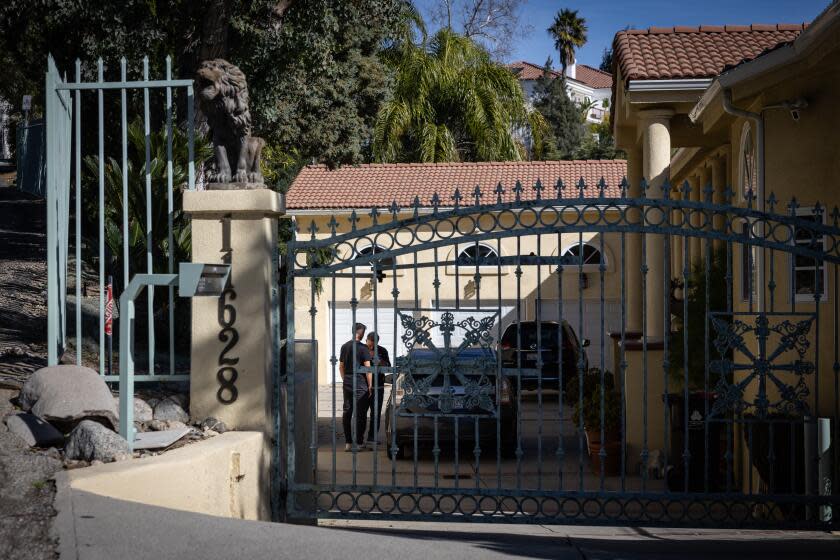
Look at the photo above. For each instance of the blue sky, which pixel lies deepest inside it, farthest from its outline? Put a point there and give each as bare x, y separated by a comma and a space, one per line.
605, 17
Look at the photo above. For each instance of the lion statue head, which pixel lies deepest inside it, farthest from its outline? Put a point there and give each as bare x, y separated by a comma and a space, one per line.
223, 97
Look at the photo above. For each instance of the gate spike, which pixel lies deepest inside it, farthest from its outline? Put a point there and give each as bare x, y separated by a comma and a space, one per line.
666, 188
708, 190
622, 186
538, 187
792, 206
374, 215
644, 187
750, 197
559, 187
772, 201
477, 194
728, 194
333, 225
416, 206
517, 190
394, 210
581, 186
835, 216
435, 203
313, 229
457, 197
602, 187
685, 189
354, 218
500, 190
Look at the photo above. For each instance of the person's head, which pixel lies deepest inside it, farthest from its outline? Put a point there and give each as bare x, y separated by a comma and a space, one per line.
360, 331
372, 340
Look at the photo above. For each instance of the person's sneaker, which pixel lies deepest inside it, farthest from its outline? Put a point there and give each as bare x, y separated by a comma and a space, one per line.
348, 447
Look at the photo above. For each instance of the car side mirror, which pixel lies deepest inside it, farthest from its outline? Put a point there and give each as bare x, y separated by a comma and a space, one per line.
586, 342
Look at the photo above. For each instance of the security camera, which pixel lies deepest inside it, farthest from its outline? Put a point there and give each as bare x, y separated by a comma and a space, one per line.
794, 114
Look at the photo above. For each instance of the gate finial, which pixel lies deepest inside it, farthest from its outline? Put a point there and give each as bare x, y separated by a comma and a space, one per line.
500, 190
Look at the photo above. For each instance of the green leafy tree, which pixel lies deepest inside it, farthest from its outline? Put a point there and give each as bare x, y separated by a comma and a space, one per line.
606, 61
314, 69
598, 142
565, 130
569, 33
451, 102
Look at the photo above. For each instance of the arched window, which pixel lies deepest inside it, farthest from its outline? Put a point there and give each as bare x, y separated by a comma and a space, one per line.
584, 254
747, 164
480, 253
384, 264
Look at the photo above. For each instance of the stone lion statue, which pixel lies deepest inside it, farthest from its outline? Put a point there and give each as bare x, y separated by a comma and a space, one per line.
223, 97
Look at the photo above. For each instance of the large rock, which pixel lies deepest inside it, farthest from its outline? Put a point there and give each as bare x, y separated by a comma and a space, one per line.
142, 411
91, 441
63, 395
170, 409
36, 432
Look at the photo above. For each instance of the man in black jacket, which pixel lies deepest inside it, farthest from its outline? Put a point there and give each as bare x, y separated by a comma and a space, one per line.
379, 357
356, 387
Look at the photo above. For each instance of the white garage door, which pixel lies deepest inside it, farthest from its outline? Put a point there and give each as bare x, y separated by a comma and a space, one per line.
591, 326
344, 330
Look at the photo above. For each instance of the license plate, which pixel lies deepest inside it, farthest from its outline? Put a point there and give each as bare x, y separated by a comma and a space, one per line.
531, 356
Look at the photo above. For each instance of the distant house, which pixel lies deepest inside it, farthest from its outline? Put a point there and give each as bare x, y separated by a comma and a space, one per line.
584, 85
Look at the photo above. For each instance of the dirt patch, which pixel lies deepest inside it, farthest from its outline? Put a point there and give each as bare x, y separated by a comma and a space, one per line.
26, 494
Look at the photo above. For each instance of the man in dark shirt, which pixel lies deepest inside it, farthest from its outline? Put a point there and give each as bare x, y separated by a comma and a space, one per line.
356, 386
378, 392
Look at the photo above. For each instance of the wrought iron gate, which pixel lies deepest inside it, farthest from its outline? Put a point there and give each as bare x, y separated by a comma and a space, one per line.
497, 407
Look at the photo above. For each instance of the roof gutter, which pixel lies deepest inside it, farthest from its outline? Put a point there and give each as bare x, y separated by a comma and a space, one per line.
687, 84
767, 62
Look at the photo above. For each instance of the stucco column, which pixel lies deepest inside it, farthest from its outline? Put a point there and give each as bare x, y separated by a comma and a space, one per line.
718, 186
656, 152
233, 348
633, 256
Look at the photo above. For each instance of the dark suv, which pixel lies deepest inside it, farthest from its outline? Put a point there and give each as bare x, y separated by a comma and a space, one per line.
520, 349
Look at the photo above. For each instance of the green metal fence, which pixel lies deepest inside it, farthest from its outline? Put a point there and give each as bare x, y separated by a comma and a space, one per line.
65, 182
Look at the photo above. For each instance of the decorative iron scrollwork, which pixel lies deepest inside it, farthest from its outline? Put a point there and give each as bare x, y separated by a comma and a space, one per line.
769, 362
432, 377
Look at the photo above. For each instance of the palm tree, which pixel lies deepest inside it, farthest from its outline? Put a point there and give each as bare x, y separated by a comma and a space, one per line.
451, 102
569, 33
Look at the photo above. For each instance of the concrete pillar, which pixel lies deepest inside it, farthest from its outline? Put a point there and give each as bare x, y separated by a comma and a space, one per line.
633, 256
656, 152
718, 186
233, 357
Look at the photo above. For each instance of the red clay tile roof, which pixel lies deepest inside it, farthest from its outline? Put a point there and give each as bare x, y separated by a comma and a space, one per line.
365, 186
593, 77
528, 70
662, 53
587, 75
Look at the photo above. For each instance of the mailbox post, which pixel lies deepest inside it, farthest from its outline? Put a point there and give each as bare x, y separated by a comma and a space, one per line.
193, 279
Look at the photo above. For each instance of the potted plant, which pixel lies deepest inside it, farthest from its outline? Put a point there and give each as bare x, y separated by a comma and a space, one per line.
611, 442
